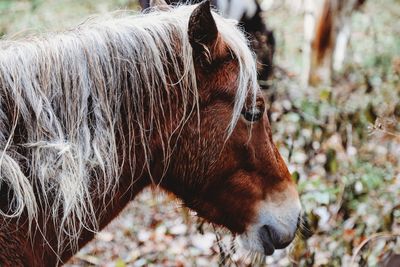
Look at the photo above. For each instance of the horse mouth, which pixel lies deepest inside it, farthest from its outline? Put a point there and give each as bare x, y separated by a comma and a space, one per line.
266, 241
270, 240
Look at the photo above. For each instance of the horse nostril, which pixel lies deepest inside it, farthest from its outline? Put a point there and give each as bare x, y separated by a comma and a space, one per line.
270, 238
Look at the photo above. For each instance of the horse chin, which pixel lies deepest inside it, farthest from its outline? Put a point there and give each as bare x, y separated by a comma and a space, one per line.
251, 241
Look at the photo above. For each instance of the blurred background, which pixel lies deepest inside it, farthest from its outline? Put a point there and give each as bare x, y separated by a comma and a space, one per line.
340, 138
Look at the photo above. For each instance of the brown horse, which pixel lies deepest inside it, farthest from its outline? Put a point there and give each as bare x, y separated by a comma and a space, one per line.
327, 27
91, 116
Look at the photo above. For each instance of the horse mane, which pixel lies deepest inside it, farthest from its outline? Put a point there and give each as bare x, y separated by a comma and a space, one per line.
61, 96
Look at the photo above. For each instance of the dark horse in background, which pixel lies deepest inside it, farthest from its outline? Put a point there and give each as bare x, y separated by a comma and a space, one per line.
249, 14
92, 116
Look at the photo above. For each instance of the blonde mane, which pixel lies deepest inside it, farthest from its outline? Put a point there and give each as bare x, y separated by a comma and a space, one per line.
61, 97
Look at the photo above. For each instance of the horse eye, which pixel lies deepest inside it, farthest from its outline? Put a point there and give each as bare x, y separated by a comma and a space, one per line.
253, 114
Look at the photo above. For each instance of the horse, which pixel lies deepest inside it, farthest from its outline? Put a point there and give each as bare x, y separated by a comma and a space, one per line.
249, 13
327, 29
91, 116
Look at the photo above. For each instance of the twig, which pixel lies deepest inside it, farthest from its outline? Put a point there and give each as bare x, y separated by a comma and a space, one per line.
373, 237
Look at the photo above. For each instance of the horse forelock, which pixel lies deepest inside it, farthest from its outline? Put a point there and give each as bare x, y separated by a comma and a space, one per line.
61, 97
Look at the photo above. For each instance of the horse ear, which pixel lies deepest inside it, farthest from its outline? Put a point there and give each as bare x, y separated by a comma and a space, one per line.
203, 33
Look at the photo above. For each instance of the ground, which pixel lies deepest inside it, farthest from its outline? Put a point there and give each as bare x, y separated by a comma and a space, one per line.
341, 142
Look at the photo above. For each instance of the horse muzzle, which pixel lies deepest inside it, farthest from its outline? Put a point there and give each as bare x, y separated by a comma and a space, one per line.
275, 227
271, 239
